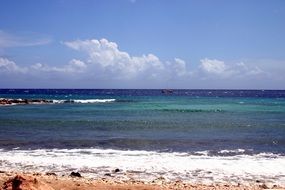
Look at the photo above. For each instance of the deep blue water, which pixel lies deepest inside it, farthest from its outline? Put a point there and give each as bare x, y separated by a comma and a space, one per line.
182, 121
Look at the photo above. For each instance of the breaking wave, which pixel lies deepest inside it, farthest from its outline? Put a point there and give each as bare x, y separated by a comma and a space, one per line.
87, 101
149, 165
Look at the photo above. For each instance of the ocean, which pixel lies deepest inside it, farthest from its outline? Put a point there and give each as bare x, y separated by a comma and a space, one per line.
204, 136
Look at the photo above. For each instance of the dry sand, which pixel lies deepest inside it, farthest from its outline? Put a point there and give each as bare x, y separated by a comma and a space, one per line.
37, 181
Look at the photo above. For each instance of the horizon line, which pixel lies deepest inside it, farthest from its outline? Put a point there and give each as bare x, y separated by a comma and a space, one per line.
140, 89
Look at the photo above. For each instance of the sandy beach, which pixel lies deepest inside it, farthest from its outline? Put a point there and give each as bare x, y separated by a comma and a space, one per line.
51, 181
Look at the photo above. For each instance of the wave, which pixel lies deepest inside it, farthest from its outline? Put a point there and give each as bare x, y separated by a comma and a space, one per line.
232, 151
191, 110
87, 101
148, 165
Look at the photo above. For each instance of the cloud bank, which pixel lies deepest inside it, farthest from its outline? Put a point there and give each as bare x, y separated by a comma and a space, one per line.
106, 66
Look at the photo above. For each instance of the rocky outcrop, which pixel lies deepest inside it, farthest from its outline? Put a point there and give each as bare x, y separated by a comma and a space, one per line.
75, 174
6, 101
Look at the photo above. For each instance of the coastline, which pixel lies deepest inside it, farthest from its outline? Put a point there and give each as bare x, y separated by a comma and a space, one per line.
52, 181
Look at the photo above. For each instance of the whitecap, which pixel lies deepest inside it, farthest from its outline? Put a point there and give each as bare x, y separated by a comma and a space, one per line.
94, 101
82, 101
232, 151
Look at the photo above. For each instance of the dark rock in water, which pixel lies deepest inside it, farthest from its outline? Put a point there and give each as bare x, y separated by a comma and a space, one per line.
5, 101
16, 101
263, 186
36, 101
117, 170
108, 174
75, 174
51, 174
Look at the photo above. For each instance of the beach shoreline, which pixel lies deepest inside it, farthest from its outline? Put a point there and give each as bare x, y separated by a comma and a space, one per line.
52, 181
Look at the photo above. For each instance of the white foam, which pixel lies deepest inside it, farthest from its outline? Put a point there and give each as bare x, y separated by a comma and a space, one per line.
58, 101
232, 151
84, 101
94, 101
148, 165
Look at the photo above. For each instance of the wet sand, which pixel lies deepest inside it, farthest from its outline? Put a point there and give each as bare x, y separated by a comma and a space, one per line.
51, 181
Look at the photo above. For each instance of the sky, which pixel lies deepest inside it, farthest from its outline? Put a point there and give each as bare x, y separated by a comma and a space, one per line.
189, 44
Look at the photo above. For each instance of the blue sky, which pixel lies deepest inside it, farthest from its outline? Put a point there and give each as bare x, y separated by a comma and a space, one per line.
142, 44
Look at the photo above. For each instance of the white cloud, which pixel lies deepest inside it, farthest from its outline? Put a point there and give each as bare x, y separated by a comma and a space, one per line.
43, 67
107, 56
106, 66
105, 63
8, 40
250, 71
10, 66
105, 60
179, 67
74, 66
221, 69
213, 66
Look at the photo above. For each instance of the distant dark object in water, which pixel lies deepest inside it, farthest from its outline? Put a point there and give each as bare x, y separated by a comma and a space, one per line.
166, 91
108, 174
117, 170
75, 174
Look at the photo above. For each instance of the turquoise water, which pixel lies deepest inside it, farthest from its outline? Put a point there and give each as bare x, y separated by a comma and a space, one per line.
183, 121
